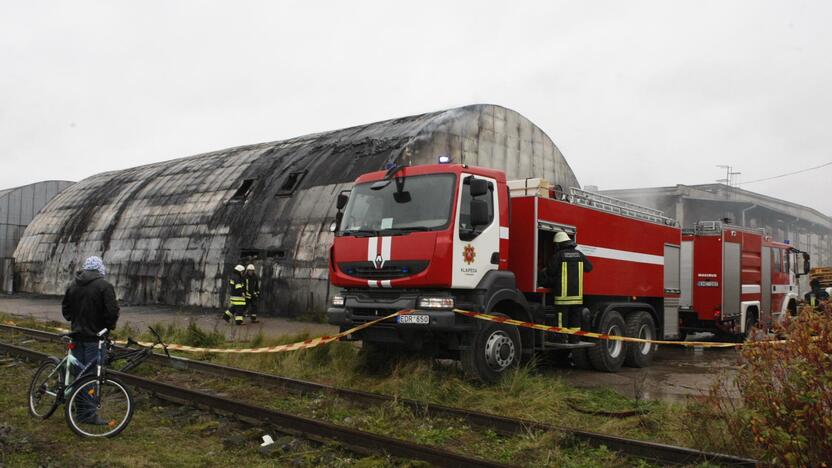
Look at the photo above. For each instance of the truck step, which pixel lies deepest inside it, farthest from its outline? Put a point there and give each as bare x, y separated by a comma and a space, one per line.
579, 345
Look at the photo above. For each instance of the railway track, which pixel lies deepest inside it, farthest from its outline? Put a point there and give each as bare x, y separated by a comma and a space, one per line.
360, 441
657, 452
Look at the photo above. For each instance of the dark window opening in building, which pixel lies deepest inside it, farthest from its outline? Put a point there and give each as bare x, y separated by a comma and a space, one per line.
243, 191
291, 183
249, 254
276, 254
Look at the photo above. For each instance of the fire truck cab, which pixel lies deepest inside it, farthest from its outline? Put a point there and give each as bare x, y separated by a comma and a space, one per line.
440, 237
735, 278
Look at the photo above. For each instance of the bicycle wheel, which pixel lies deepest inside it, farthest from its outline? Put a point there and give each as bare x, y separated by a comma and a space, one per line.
99, 409
45, 389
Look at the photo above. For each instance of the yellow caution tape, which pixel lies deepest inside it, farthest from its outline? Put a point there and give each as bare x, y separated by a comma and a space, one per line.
321, 340
310, 343
603, 336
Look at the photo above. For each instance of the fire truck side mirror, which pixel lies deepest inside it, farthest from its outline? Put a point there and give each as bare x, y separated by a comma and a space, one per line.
342, 201
479, 213
806, 265
479, 187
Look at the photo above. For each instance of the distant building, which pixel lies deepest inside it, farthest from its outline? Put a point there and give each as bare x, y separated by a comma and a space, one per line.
18, 206
804, 227
171, 232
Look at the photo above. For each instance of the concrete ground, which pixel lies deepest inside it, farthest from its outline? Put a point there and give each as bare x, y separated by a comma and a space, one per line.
676, 373
49, 308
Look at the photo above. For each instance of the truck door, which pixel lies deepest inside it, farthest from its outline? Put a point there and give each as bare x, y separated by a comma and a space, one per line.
476, 248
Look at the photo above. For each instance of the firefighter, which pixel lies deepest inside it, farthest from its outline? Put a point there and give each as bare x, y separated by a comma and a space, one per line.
237, 296
817, 295
252, 292
564, 275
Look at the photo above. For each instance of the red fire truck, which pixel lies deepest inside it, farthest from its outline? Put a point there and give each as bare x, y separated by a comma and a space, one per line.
734, 278
438, 237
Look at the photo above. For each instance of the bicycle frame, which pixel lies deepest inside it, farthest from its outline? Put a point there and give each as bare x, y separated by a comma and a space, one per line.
70, 362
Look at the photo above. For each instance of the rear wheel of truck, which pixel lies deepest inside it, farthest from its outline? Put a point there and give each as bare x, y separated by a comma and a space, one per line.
493, 350
640, 325
609, 355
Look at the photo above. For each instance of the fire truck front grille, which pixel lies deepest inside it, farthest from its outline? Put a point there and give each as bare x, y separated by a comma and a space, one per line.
374, 313
389, 270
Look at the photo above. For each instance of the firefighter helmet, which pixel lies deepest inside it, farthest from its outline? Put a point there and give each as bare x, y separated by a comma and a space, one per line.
250, 267
240, 268
561, 237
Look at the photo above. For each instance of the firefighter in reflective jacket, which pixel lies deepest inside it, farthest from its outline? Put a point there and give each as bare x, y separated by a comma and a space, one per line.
564, 275
252, 292
237, 298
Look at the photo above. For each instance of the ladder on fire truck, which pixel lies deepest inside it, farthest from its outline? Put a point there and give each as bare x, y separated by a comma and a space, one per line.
716, 227
620, 207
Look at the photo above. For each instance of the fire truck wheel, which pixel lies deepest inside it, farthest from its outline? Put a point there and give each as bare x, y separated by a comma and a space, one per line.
493, 350
640, 325
608, 355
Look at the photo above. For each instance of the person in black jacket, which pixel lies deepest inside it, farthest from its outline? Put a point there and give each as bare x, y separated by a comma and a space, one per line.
564, 275
90, 305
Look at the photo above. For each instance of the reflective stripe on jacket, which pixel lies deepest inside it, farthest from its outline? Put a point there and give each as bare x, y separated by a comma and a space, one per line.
236, 292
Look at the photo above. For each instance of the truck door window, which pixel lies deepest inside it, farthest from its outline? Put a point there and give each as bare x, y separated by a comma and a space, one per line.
778, 260
466, 231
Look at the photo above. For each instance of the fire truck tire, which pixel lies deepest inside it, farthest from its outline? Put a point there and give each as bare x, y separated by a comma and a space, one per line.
609, 355
640, 325
493, 350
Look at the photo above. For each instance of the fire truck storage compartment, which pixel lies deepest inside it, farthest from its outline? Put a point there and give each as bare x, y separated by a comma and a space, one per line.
546, 240
671, 288
731, 286
765, 283
686, 275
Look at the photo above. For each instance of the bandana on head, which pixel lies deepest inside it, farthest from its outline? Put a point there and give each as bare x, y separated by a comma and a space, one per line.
96, 264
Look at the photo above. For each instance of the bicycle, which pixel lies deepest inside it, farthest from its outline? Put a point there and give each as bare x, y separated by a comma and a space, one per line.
97, 405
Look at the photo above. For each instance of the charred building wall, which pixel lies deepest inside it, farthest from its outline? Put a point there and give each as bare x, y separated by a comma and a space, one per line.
171, 232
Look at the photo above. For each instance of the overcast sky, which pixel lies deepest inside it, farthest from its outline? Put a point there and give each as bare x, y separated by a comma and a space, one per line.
634, 94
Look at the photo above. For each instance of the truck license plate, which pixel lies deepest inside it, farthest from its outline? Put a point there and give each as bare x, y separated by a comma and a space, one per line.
415, 319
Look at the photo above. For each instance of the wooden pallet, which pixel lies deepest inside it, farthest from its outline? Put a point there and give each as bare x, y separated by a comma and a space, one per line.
823, 275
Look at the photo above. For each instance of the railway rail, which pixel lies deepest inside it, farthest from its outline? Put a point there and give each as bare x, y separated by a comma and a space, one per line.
657, 452
351, 438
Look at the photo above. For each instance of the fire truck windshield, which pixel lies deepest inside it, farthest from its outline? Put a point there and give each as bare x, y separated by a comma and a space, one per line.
415, 203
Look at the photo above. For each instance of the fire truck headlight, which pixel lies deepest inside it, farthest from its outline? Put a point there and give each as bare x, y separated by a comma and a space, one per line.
337, 301
435, 303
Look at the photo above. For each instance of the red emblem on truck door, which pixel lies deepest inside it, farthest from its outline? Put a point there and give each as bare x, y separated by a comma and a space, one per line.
469, 254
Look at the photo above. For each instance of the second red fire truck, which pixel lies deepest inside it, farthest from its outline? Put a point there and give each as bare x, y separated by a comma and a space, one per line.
735, 278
